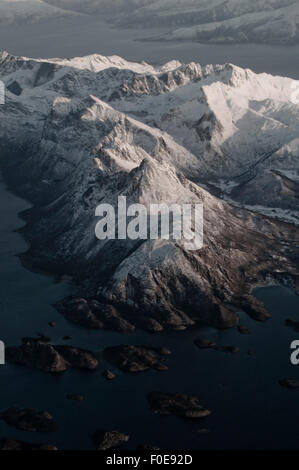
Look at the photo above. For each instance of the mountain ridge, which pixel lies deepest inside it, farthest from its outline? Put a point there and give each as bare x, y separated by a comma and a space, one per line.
70, 141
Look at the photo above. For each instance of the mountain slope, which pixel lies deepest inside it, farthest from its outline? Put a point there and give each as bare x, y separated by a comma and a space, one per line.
78, 132
17, 11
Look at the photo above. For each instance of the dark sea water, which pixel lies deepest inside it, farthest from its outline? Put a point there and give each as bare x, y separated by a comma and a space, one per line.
250, 409
91, 35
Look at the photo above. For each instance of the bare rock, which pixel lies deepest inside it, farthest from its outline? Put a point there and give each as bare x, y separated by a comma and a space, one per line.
183, 406
109, 375
14, 444
133, 358
94, 314
106, 440
53, 359
228, 349
255, 308
29, 420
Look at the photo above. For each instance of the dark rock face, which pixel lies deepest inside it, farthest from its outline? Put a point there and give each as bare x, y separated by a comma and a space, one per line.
30, 420
14, 444
106, 440
93, 314
289, 383
255, 308
15, 88
150, 324
134, 358
183, 406
49, 358
75, 397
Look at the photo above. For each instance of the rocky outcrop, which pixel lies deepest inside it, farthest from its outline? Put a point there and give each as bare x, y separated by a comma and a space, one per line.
50, 358
183, 406
94, 314
108, 375
134, 358
7, 443
29, 420
255, 308
107, 440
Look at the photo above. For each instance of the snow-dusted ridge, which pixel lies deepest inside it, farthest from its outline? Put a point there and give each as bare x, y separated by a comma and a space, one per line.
76, 132
30, 11
212, 21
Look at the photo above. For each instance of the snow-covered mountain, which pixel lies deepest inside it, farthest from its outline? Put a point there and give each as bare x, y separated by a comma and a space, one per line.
82, 131
17, 11
239, 21
217, 21
214, 21
114, 8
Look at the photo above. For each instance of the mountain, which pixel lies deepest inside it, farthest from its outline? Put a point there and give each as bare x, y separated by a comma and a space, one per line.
17, 11
265, 22
213, 21
83, 131
114, 8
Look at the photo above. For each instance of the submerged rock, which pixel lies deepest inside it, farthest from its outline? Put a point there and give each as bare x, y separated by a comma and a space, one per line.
14, 444
134, 358
204, 343
109, 375
106, 440
147, 448
289, 383
75, 397
292, 324
50, 358
183, 406
243, 330
228, 349
29, 420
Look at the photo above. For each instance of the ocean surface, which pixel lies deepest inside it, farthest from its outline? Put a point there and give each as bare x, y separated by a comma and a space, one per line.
250, 409
91, 35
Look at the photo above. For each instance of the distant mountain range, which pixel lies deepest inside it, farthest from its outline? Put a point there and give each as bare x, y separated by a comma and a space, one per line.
18, 11
78, 132
213, 21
